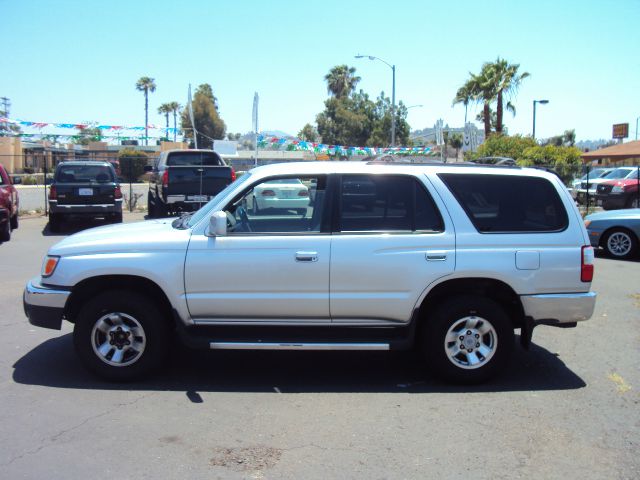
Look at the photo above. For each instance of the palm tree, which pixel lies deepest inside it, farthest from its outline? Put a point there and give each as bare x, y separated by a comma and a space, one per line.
146, 85
173, 108
506, 80
165, 109
465, 95
341, 81
482, 86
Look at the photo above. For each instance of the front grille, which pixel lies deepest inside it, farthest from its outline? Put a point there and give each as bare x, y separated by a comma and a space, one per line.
604, 188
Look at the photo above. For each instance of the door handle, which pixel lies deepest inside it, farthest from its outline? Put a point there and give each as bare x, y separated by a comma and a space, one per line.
306, 256
436, 256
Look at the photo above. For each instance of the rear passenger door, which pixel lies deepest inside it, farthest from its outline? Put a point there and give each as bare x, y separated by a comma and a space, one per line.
390, 241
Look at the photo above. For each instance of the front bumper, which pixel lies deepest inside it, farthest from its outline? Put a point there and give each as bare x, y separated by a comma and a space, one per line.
559, 308
43, 305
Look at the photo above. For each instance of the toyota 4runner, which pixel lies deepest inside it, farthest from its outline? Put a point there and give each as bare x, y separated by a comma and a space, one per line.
448, 259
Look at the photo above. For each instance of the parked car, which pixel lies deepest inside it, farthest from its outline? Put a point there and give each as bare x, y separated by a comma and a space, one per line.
84, 190
616, 232
282, 193
622, 193
449, 259
9, 205
591, 187
577, 183
184, 180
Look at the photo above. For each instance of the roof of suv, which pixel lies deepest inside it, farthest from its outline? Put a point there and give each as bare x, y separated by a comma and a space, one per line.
326, 167
81, 163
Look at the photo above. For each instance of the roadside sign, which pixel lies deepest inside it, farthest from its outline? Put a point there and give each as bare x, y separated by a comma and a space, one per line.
621, 130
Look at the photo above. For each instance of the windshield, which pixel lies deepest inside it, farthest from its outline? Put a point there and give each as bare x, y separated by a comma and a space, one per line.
84, 173
204, 211
618, 173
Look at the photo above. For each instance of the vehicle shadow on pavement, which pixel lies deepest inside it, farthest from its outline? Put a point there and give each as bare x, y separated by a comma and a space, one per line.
54, 364
73, 227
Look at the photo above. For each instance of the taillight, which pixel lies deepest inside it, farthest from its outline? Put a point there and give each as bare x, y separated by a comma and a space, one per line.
53, 195
165, 178
233, 175
303, 193
586, 267
268, 193
118, 192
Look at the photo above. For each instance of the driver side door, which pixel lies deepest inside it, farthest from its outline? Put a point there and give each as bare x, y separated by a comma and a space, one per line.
273, 264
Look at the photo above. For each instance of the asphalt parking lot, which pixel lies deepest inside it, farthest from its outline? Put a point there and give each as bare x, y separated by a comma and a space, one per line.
568, 408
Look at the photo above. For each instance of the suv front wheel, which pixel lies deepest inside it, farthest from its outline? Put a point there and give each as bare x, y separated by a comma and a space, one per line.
121, 335
468, 339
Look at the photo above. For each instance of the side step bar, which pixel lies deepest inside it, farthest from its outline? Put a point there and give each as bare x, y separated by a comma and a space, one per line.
296, 346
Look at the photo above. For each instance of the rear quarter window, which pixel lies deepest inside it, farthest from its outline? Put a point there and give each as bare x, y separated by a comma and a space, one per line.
508, 203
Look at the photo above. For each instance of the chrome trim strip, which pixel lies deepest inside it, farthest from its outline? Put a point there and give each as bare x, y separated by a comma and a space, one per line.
563, 307
37, 295
88, 205
296, 346
298, 322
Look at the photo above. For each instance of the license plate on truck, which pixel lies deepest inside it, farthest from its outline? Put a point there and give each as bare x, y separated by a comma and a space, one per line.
198, 198
85, 192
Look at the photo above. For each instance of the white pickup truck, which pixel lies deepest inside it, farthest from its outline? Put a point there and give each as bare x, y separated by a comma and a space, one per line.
446, 258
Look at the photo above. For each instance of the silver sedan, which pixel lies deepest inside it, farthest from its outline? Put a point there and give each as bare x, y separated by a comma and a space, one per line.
616, 231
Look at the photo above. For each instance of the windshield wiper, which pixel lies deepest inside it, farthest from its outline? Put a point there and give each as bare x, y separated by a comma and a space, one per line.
181, 222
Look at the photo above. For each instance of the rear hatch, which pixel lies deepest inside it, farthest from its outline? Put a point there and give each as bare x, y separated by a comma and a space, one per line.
197, 180
85, 185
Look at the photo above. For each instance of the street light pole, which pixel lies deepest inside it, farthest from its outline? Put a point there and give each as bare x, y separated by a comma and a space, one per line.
637, 118
543, 102
393, 94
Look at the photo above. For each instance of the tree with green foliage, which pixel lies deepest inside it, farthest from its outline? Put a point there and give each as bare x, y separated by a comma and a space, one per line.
132, 163
174, 108
87, 135
456, 141
504, 146
497, 82
208, 123
165, 109
347, 120
341, 81
381, 133
308, 133
146, 85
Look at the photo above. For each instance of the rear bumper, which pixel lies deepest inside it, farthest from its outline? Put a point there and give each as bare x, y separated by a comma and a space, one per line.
44, 306
612, 201
559, 308
94, 209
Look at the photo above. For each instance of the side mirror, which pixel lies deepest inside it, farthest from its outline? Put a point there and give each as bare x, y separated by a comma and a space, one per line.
148, 168
217, 225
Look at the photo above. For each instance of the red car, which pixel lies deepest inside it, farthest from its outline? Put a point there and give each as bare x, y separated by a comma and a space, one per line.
621, 193
8, 206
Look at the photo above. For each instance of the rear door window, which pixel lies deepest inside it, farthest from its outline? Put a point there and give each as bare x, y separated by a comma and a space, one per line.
508, 203
194, 158
382, 203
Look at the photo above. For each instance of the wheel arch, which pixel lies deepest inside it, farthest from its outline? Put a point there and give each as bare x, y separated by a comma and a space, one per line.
497, 290
94, 285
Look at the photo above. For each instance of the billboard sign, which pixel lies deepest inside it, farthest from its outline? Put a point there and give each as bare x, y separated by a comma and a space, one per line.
621, 130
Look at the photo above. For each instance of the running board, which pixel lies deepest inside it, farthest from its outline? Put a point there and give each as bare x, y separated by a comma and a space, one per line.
296, 346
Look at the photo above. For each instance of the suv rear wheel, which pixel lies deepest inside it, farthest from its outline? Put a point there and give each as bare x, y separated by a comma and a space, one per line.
121, 335
468, 339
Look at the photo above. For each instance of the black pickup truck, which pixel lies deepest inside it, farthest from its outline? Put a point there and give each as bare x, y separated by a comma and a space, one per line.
184, 180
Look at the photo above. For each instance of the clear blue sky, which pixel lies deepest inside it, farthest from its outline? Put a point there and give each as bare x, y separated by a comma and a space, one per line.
73, 61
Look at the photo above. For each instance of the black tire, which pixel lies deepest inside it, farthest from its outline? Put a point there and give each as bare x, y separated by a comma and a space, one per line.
620, 243
633, 202
151, 206
152, 327
493, 333
14, 222
5, 233
55, 221
117, 218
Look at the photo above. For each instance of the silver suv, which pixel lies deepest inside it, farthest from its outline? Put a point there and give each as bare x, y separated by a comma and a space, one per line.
330, 256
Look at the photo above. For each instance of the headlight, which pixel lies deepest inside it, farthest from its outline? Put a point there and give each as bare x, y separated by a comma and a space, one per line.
617, 189
587, 223
49, 265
